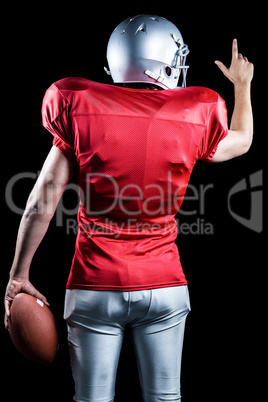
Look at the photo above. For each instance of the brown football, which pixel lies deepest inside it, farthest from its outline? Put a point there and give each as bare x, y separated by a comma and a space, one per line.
33, 329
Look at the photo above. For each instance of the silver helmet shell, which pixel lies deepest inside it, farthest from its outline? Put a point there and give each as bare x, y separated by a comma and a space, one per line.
147, 49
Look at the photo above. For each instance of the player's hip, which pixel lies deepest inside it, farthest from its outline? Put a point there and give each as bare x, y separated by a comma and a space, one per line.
117, 309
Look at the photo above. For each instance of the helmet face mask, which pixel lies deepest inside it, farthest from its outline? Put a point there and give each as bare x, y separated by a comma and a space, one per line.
147, 49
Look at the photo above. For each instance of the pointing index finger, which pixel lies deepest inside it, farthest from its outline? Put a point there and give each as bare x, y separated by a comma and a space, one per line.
235, 49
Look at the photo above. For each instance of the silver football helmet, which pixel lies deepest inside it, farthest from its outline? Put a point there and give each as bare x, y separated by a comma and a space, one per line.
147, 49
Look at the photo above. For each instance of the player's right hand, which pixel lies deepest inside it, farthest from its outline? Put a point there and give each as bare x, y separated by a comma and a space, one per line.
13, 288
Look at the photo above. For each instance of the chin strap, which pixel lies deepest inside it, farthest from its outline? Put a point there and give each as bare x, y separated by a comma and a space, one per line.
162, 80
107, 71
154, 76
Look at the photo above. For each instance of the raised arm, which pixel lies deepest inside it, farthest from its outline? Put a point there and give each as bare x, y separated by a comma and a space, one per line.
39, 211
239, 138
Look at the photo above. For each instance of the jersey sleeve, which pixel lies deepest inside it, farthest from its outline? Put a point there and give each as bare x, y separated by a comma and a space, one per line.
55, 118
216, 130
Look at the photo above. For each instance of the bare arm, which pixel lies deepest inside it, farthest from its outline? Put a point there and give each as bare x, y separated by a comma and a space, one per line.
39, 211
239, 138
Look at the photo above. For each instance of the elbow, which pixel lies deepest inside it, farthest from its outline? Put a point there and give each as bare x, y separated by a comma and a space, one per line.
247, 144
33, 207
37, 210
31, 211
244, 142
243, 149
34, 212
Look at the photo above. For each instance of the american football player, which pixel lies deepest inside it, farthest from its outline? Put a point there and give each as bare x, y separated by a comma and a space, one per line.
134, 143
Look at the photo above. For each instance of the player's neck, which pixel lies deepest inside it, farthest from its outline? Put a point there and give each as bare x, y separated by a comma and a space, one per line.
138, 85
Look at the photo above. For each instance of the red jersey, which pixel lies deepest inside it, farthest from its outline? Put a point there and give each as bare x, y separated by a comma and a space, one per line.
135, 150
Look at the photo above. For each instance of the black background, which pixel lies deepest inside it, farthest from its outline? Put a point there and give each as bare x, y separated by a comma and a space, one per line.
46, 42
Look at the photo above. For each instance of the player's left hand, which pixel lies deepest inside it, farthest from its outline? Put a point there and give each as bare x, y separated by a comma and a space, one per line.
240, 70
